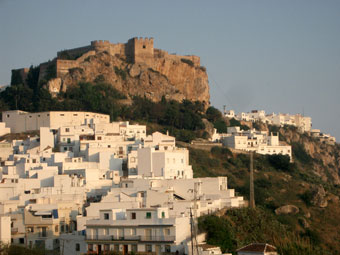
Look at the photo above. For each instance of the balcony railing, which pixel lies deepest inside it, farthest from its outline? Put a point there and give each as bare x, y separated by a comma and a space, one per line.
131, 238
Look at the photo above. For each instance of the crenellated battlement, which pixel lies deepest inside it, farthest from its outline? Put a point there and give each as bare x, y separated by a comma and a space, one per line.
143, 40
100, 43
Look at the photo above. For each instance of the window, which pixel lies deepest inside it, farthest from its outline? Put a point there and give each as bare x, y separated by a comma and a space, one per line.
163, 214
167, 248
106, 247
106, 216
116, 247
134, 248
67, 130
99, 137
44, 232
133, 231
167, 231
21, 240
148, 248
68, 140
77, 247
148, 215
90, 247
62, 114
133, 216
56, 229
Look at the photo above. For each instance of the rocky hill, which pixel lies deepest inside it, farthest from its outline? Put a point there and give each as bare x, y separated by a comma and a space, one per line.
134, 68
302, 197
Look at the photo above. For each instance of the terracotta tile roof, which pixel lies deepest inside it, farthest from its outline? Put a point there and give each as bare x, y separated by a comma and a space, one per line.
258, 247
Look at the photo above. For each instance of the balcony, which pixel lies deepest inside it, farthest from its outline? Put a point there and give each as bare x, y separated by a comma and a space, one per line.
14, 231
131, 238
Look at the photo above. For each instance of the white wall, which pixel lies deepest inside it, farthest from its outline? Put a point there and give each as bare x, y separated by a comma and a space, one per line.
5, 229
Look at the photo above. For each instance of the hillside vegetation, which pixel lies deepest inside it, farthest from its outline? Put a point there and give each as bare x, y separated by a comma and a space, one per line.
312, 230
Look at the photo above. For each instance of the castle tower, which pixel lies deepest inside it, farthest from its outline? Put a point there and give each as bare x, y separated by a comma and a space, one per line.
141, 49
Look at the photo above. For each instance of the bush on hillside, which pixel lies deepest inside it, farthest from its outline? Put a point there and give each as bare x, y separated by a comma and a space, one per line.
213, 114
300, 153
280, 162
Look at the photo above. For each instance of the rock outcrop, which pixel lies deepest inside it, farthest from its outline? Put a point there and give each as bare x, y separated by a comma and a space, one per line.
134, 68
324, 158
287, 209
319, 198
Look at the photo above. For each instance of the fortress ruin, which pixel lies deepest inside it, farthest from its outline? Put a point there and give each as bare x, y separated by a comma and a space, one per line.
136, 50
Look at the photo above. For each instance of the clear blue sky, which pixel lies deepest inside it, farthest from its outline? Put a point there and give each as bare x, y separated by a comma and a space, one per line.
280, 56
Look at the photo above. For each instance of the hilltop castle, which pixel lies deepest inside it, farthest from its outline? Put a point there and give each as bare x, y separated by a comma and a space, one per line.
136, 50
146, 71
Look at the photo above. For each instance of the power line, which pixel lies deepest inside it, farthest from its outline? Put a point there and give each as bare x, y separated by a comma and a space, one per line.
220, 88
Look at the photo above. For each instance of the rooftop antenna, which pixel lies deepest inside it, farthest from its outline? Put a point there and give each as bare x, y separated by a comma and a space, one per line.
252, 199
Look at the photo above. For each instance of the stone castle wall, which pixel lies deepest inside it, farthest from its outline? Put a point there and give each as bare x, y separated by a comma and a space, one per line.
76, 52
136, 50
63, 66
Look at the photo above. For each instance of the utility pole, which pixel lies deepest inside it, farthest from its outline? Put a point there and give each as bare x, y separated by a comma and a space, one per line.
252, 199
192, 234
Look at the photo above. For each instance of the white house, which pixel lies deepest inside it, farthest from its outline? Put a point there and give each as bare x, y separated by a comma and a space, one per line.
258, 141
21, 121
138, 230
3, 129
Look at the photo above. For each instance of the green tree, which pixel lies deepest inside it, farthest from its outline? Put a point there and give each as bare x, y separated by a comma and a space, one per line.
213, 114
16, 77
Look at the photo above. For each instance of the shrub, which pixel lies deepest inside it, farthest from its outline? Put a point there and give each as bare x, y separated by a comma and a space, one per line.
213, 114
100, 78
203, 68
120, 72
307, 197
221, 126
51, 71
280, 162
219, 231
188, 62
235, 123
220, 151
16, 77
300, 153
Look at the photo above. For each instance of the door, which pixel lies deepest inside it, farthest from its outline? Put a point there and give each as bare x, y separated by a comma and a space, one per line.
148, 234
125, 249
158, 250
